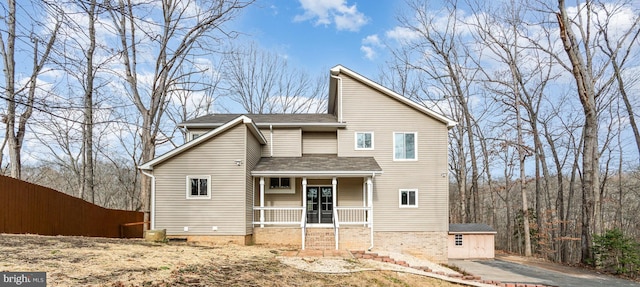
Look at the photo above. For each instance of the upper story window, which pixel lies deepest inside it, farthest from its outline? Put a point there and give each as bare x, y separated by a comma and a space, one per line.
364, 140
404, 146
280, 183
198, 186
408, 198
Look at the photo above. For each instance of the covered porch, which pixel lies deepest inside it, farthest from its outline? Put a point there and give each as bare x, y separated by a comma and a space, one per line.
315, 192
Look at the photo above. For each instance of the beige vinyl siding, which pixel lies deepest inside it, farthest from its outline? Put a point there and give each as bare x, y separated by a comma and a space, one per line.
319, 143
253, 156
215, 157
365, 109
286, 142
350, 192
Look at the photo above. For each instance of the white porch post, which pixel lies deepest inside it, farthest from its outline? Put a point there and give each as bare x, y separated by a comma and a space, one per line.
334, 182
303, 223
304, 198
262, 201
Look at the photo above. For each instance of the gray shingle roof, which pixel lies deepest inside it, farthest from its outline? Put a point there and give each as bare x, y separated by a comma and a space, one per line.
471, 228
321, 164
220, 119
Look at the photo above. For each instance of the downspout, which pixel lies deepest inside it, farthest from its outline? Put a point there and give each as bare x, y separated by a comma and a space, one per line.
370, 186
339, 97
270, 140
152, 213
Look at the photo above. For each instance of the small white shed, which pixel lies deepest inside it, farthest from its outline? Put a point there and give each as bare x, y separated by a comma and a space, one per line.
471, 240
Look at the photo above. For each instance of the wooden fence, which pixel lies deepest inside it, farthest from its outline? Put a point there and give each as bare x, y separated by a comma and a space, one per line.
30, 208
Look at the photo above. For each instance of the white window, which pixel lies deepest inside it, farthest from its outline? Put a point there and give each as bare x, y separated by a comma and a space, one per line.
198, 187
458, 239
408, 198
404, 146
364, 140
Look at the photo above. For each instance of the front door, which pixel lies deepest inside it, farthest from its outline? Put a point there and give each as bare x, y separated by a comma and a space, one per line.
319, 204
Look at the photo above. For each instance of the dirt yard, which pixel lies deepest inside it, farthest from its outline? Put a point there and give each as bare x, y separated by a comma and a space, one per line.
81, 261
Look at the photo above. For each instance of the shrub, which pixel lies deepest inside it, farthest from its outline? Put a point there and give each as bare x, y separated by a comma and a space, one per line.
617, 253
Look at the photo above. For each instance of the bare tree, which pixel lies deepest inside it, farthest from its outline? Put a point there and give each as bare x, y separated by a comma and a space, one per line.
174, 32
592, 82
264, 82
16, 118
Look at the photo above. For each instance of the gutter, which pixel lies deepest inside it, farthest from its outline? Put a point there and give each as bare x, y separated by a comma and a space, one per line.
152, 212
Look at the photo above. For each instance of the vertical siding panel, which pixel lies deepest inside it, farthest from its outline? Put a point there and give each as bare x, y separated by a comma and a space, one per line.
30, 208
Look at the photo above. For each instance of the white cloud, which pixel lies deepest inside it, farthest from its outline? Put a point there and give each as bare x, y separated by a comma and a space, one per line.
402, 34
369, 53
372, 40
369, 45
326, 12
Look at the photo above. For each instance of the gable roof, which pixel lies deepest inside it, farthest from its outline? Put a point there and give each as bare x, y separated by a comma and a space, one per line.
230, 124
316, 165
339, 69
266, 120
465, 228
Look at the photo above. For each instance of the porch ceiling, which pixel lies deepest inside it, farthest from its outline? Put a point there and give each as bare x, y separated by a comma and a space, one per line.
319, 165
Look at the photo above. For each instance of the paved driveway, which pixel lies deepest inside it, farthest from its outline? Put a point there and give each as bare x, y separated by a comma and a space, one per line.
554, 275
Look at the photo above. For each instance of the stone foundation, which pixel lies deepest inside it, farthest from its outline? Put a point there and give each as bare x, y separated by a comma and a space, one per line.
279, 236
427, 245
217, 239
354, 238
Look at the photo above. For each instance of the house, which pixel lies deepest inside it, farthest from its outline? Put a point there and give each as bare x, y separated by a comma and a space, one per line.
371, 173
471, 240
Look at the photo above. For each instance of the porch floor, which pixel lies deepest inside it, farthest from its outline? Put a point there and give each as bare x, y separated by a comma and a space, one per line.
332, 253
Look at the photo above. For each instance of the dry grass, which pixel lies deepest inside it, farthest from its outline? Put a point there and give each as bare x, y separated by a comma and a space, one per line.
81, 261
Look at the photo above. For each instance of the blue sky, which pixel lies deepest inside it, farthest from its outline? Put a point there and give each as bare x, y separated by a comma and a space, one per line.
316, 35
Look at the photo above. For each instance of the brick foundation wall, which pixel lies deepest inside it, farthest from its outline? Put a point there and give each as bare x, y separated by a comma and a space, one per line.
217, 239
354, 238
282, 236
427, 245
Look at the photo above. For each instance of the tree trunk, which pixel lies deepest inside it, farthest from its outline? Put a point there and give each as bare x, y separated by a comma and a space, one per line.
590, 151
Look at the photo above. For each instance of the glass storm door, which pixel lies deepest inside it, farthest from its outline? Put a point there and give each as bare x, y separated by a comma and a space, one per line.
319, 204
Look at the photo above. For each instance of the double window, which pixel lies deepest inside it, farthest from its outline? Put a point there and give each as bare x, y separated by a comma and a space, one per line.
408, 198
198, 187
404, 146
280, 183
364, 140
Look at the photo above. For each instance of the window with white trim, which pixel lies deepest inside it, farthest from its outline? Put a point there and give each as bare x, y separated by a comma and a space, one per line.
364, 140
198, 187
458, 239
404, 146
408, 198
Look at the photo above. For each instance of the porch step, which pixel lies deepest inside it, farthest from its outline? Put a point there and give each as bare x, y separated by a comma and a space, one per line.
320, 238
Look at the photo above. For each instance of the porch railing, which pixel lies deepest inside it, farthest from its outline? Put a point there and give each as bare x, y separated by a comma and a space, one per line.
352, 215
278, 215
